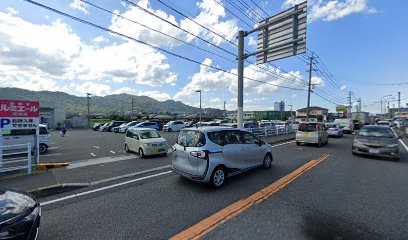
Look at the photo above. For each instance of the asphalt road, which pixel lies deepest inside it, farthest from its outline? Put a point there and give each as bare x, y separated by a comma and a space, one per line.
343, 197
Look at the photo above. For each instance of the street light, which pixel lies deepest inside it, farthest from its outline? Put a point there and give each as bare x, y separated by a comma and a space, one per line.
199, 91
381, 110
388, 105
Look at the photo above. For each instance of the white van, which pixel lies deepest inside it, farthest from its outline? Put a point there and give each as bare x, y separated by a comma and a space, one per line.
346, 124
173, 126
24, 136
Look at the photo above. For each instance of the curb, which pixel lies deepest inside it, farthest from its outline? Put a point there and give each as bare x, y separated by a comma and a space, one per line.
46, 166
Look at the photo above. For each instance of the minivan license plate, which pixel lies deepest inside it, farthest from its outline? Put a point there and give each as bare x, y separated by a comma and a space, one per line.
374, 151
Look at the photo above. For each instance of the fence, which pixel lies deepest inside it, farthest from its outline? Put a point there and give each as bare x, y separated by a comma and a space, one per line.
13, 155
272, 131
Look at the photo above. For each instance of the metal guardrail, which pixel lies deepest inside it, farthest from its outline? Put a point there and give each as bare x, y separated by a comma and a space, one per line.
272, 131
15, 150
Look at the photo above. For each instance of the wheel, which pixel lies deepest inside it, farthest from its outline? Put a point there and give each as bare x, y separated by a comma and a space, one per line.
141, 153
319, 143
43, 148
217, 177
127, 148
169, 130
165, 154
298, 143
267, 162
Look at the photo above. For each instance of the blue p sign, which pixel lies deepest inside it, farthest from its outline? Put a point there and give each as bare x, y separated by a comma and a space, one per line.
4, 122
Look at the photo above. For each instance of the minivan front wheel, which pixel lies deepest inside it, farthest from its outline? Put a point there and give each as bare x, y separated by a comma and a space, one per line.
267, 162
218, 177
141, 153
43, 148
127, 148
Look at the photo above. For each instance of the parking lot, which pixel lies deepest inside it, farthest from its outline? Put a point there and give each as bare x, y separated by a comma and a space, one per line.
87, 144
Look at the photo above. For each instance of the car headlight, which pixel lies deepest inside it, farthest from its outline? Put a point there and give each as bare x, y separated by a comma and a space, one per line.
147, 144
392, 145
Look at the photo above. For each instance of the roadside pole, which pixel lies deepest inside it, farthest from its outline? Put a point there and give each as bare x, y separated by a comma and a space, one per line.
309, 88
240, 110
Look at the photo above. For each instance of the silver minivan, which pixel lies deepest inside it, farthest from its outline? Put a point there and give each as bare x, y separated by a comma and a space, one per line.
312, 132
211, 154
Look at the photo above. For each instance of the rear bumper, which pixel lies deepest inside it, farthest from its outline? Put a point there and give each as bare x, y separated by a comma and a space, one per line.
196, 178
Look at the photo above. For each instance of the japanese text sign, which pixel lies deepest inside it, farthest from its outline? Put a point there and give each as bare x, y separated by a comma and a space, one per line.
19, 109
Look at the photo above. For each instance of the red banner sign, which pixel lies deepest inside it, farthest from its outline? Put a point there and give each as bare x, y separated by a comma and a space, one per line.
20, 109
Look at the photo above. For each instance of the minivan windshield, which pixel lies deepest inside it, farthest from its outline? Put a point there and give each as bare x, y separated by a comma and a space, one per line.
376, 132
146, 134
307, 127
191, 138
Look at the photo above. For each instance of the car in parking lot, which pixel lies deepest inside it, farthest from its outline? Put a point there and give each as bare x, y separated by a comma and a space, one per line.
102, 128
96, 126
212, 154
128, 125
334, 130
312, 132
15, 137
20, 215
378, 141
145, 141
173, 126
112, 124
147, 124
116, 129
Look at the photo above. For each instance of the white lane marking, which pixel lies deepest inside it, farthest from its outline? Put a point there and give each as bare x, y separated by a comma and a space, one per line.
283, 143
96, 161
96, 147
103, 188
403, 144
51, 155
93, 154
112, 152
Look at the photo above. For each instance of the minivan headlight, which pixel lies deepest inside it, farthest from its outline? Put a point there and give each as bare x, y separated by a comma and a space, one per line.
147, 144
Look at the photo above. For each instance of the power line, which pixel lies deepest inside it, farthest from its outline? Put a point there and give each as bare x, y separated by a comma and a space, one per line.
152, 29
241, 11
267, 15
250, 10
147, 44
233, 13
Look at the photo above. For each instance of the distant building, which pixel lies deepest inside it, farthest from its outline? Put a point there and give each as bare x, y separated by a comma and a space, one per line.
279, 106
52, 115
315, 114
77, 121
248, 115
273, 115
213, 112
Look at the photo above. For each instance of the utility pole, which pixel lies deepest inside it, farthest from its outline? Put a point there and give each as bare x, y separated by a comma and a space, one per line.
132, 109
359, 105
241, 57
349, 108
399, 103
225, 112
88, 102
291, 115
309, 87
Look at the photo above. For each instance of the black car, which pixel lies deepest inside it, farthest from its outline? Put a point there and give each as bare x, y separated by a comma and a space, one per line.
376, 141
113, 124
97, 126
19, 215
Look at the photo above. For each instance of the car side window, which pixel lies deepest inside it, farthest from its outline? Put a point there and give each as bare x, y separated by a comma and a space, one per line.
232, 137
217, 138
249, 138
129, 134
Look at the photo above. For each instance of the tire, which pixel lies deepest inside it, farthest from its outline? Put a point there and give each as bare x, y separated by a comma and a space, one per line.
127, 148
267, 162
218, 177
169, 130
43, 148
141, 153
298, 143
165, 154
319, 143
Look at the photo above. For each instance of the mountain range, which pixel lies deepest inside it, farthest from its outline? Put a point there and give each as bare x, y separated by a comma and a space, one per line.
110, 104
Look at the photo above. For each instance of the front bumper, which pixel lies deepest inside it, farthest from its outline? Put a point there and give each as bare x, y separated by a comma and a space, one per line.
386, 152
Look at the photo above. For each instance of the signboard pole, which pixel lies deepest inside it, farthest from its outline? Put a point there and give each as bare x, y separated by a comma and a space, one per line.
1, 147
37, 146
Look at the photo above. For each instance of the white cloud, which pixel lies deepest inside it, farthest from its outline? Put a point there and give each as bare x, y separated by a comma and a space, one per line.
333, 9
252, 41
127, 90
216, 100
100, 39
318, 81
79, 5
54, 52
343, 88
27, 81
11, 11
91, 87
157, 95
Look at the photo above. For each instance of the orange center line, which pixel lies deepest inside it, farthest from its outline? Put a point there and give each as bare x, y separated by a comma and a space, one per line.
210, 223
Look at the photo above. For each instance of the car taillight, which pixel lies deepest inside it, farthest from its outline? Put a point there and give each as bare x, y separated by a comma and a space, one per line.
199, 154
317, 126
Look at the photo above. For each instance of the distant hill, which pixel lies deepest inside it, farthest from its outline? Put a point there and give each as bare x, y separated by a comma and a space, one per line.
108, 104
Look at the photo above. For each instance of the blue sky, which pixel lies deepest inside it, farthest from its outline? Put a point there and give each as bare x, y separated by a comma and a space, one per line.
361, 42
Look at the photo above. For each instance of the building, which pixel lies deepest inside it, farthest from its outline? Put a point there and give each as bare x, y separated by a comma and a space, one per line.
315, 114
77, 121
393, 112
273, 115
279, 106
248, 116
53, 115
213, 112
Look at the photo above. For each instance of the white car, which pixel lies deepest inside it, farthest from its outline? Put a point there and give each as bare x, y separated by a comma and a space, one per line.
173, 126
346, 124
334, 130
24, 136
145, 141
128, 125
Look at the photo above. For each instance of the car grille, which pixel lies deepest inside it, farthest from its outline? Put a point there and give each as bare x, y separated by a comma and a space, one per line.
157, 144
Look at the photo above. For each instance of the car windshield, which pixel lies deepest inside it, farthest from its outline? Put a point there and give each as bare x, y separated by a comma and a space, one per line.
146, 134
191, 138
376, 132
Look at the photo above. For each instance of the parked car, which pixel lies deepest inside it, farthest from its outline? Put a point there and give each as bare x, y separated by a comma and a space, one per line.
212, 154
145, 142
147, 125
96, 126
128, 125
102, 128
189, 124
116, 129
20, 215
173, 126
376, 141
312, 132
346, 124
334, 130
24, 136
111, 125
